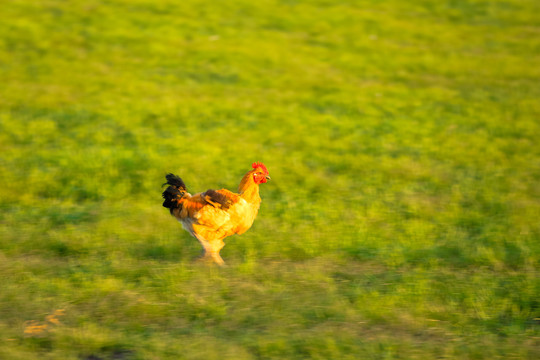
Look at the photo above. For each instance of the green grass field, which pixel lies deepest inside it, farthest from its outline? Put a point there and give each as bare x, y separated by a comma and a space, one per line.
403, 216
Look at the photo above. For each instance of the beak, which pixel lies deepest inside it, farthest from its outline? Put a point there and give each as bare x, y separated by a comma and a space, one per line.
268, 177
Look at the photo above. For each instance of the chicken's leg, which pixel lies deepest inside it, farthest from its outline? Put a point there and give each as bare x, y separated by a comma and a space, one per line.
216, 248
211, 250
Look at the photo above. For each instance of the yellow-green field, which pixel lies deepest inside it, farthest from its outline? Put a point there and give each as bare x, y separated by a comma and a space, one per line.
403, 216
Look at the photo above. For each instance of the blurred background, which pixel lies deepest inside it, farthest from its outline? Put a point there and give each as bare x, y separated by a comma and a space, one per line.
401, 222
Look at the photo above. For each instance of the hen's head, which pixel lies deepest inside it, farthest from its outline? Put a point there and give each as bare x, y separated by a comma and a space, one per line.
260, 173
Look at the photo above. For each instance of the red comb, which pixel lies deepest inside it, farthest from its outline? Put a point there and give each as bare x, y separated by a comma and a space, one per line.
259, 165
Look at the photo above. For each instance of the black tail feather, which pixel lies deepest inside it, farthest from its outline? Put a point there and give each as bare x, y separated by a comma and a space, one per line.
176, 181
175, 191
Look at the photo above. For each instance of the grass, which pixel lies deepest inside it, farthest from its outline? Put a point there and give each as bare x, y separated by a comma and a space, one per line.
401, 221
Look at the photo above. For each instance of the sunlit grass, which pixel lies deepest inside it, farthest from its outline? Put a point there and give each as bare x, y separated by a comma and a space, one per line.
402, 216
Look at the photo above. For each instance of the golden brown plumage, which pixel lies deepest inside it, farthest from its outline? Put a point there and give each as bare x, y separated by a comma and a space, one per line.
215, 214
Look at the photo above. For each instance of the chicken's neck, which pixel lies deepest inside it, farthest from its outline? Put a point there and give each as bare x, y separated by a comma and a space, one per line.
249, 190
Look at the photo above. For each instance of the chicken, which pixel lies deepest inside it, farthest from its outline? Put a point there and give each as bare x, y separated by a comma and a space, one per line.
213, 215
